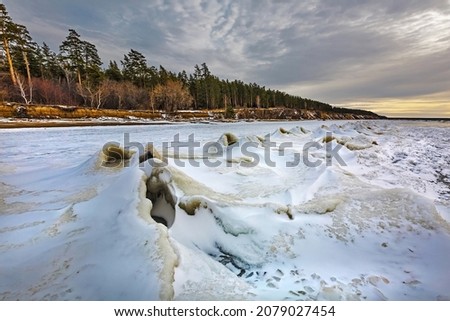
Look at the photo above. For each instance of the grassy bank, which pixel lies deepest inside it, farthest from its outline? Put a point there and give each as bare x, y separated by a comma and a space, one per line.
31, 115
62, 112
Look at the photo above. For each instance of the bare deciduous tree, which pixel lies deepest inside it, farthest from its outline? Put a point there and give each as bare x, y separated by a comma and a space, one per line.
21, 83
171, 96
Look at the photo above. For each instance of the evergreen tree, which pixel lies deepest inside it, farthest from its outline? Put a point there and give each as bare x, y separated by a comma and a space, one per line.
23, 49
183, 77
164, 75
49, 63
25, 52
92, 63
135, 68
19, 50
71, 55
197, 84
206, 74
229, 112
113, 72
8, 33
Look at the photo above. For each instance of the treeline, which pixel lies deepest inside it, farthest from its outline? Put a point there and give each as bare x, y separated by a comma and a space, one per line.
74, 76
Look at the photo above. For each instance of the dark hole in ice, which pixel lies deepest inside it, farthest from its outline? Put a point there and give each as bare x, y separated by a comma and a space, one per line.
162, 195
160, 220
163, 211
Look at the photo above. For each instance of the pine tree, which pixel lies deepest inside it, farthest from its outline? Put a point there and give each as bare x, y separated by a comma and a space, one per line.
24, 46
135, 68
206, 74
92, 63
229, 110
113, 72
164, 75
18, 47
49, 63
71, 56
196, 86
8, 31
183, 77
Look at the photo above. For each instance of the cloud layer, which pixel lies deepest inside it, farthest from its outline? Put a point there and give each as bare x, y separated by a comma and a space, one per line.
343, 52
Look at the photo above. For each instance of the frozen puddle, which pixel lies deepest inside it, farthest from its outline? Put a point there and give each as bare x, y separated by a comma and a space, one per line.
373, 228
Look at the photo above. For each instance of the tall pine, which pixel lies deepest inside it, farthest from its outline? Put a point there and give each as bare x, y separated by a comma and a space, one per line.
8, 32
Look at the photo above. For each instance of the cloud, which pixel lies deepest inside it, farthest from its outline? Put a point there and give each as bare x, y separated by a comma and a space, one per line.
337, 51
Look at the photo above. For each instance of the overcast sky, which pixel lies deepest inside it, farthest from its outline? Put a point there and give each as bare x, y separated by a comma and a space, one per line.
389, 56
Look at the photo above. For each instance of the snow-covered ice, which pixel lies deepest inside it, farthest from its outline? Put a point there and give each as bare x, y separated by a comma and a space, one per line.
261, 221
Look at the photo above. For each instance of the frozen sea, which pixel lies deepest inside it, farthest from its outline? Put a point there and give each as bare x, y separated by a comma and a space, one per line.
311, 210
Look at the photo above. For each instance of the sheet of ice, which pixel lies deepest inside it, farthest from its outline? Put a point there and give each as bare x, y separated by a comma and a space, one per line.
258, 224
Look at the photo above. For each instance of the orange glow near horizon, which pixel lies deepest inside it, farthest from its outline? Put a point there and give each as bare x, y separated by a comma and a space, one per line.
420, 108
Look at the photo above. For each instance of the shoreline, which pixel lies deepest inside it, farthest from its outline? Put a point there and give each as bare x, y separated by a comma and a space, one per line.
76, 123
14, 115
51, 123
33, 123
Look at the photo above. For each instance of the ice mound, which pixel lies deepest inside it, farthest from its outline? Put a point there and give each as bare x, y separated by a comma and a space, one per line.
357, 143
228, 139
299, 130
322, 205
280, 132
345, 136
113, 155
255, 139
192, 204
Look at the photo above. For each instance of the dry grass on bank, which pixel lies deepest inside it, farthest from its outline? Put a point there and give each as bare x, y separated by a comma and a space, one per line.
59, 112
28, 115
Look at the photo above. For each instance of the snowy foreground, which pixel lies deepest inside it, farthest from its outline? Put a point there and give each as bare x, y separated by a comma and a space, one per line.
374, 228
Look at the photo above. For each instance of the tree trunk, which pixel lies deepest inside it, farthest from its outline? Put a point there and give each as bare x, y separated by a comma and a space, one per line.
30, 84
152, 100
21, 85
79, 77
10, 62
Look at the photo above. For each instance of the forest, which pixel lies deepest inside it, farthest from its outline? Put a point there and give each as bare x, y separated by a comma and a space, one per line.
76, 76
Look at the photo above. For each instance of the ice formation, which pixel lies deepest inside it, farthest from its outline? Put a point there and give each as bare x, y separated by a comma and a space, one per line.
82, 222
